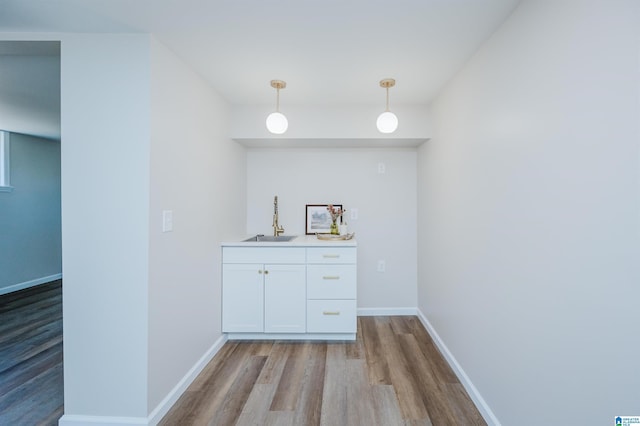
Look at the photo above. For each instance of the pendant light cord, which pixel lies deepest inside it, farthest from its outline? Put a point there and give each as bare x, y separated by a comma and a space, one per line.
387, 99
278, 99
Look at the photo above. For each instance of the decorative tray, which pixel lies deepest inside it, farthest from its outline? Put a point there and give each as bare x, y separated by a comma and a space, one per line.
332, 237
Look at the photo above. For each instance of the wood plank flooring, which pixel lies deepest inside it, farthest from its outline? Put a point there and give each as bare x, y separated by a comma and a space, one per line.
31, 388
393, 374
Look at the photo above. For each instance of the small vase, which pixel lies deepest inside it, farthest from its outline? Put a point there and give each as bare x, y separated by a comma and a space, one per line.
334, 228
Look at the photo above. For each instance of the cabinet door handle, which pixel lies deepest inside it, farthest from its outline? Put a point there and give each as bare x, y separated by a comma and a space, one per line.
266, 272
260, 271
331, 256
330, 312
331, 277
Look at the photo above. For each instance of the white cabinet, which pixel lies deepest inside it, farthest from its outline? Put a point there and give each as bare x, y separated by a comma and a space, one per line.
331, 255
331, 316
289, 292
284, 297
263, 298
331, 290
266, 296
242, 298
331, 281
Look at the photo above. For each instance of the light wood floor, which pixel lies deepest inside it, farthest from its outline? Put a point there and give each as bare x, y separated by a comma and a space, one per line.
31, 388
392, 375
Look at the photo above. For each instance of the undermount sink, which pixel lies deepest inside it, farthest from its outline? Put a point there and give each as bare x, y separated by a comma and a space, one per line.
269, 238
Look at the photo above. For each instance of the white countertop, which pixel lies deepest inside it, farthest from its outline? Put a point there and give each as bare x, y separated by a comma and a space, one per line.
299, 241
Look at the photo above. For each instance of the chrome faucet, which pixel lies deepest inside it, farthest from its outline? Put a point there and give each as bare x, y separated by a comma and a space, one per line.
277, 229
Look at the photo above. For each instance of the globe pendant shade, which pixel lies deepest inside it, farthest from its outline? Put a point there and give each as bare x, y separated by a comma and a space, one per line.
387, 122
277, 123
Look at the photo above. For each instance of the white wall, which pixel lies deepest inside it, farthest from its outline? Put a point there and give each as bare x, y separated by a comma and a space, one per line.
30, 240
127, 150
105, 223
199, 174
386, 203
529, 206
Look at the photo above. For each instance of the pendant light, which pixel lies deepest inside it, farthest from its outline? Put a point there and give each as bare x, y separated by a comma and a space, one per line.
387, 121
276, 121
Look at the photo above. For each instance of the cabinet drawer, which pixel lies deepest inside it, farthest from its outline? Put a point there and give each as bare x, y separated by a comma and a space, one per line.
331, 281
331, 255
263, 255
331, 316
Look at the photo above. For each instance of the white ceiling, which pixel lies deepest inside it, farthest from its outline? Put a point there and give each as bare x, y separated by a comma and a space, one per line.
328, 51
30, 88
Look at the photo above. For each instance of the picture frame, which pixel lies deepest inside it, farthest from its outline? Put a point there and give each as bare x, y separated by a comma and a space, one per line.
318, 219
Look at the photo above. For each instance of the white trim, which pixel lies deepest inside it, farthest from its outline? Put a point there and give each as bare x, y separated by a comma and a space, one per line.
475, 396
5, 161
291, 336
165, 405
27, 284
385, 312
161, 409
78, 420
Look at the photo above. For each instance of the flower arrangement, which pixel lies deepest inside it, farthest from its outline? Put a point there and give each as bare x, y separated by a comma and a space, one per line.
335, 213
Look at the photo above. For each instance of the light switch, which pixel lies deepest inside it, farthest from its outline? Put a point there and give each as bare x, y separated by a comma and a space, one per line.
382, 168
382, 266
167, 220
354, 214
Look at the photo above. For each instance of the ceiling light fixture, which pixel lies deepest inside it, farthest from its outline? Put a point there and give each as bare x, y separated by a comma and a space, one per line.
387, 121
276, 121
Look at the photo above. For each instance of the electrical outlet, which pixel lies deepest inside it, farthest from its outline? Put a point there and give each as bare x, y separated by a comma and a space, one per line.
382, 168
382, 266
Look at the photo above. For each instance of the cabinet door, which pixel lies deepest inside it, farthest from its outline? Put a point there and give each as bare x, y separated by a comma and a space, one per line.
242, 298
285, 299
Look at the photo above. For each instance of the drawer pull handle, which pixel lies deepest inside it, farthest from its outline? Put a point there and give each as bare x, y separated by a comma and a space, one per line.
330, 312
331, 277
331, 256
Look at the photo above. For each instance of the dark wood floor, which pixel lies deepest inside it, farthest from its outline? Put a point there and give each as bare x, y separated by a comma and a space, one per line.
31, 388
392, 375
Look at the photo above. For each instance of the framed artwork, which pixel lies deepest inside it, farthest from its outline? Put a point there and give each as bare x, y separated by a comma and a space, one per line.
318, 219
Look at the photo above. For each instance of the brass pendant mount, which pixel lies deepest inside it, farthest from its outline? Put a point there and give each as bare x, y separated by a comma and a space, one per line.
279, 84
386, 83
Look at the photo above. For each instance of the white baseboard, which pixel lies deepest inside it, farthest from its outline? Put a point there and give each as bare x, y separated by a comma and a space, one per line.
475, 396
31, 283
385, 312
163, 407
76, 420
291, 336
